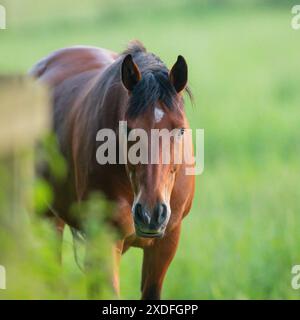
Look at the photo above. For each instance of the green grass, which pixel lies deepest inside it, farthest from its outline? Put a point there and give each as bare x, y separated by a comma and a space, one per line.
242, 237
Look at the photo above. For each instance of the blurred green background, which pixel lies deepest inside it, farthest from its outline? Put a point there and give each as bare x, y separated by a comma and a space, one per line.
242, 236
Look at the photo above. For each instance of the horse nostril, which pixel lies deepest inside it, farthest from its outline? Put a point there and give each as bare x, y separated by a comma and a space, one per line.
138, 210
162, 212
141, 215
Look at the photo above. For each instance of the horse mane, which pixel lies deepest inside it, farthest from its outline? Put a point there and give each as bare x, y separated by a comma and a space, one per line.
134, 46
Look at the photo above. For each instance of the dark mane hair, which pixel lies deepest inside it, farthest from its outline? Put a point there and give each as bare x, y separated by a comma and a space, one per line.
154, 85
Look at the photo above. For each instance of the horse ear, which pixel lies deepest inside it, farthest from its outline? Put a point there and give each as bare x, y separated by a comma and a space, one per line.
179, 74
130, 73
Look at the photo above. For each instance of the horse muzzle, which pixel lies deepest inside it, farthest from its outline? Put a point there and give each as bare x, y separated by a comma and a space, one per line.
150, 223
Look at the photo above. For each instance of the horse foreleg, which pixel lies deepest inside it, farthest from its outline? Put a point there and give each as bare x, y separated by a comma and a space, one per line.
157, 259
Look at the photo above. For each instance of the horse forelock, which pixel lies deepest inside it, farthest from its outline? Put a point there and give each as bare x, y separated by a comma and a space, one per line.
133, 47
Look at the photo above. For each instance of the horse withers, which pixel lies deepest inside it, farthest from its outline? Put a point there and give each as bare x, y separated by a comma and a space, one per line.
94, 89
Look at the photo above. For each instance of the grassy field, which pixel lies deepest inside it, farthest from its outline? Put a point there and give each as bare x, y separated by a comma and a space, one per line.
242, 236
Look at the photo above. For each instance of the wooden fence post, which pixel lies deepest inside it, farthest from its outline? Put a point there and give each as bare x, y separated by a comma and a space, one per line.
24, 117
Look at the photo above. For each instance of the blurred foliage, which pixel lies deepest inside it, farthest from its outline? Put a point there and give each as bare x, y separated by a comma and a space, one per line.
49, 156
242, 235
48, 163
30, 256
100, 237
42, 195
30, 246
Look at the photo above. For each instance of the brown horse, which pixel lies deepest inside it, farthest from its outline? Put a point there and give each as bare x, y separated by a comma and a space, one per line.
93, 88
